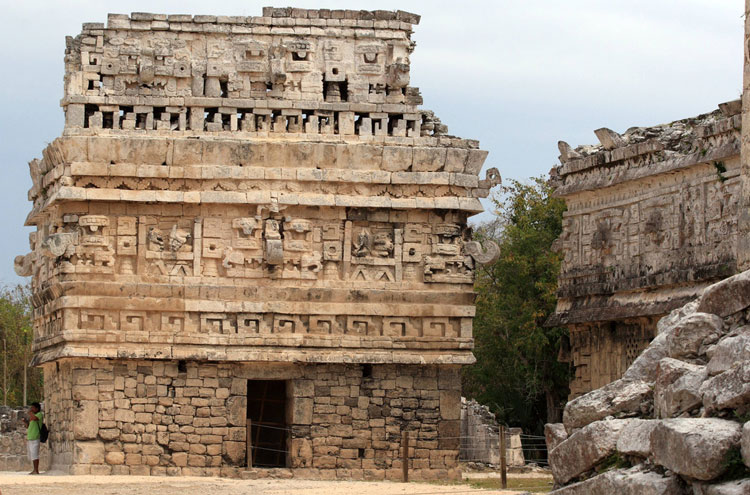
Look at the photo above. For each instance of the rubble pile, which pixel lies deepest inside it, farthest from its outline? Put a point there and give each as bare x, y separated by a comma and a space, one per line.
677, 421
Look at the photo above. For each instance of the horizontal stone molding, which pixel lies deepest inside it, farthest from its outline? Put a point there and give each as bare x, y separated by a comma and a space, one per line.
242, 354
627, 174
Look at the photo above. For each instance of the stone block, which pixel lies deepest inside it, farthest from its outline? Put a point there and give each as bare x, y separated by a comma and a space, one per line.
635, 437
677, 387
726, 297
728, 390
677, 443
302, 410
620, 396
397, 159
475, 161
124, 415
428, 159
554, 435
455, 160
644, 367
737, 487
450, 404
90, 452
584, 449
634, 481
728, 351
115, 458
692, 334
86, 420
87, 392
237, 411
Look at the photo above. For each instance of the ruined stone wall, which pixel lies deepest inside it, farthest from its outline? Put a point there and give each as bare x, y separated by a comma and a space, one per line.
651, 219
152, 417
480, 437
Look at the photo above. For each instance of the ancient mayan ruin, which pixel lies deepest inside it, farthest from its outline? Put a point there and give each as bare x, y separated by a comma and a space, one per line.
250, 221
661, 405
651, 221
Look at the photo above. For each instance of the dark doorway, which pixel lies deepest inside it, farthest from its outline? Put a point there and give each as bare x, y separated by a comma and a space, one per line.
266, 409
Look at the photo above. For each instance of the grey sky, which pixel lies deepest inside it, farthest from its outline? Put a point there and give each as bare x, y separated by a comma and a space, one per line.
517, 75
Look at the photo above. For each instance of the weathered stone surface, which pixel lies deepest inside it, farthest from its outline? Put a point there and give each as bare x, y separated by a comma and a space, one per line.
677, 387
634, 481
728, 390
635, 437
480, 436
645, 366
594, 486
618, 397
726, 297
88, 452
738, 487
114, 458
86, 421
668, 322
584, 449
692, 333
554, 434
193, 423
729, 350
677, 444
236, 411
691, 446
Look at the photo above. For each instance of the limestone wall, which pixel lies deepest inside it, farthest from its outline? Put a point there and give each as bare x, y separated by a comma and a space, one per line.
155, 417
651, 220
480, 437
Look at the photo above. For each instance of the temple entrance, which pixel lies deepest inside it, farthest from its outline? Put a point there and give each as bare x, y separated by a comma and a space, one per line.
266, 411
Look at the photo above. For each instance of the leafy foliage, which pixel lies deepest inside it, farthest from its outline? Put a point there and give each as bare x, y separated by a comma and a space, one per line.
735, 466
517, 373
614, 461
15, 347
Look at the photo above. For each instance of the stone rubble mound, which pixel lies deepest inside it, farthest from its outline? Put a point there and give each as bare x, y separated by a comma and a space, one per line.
678, 421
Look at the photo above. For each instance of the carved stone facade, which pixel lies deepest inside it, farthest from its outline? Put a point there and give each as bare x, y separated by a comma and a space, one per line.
246, 199
651, 220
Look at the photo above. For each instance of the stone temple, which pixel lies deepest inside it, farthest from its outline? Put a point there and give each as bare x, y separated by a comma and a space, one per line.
250, 221
652, 220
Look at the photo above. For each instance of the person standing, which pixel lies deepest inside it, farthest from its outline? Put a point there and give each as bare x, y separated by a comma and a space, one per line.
33, 433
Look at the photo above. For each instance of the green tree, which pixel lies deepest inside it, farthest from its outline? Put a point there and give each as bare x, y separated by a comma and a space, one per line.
16, 337
517, 373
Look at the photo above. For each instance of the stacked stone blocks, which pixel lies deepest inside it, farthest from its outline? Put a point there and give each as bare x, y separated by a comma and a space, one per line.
238, 199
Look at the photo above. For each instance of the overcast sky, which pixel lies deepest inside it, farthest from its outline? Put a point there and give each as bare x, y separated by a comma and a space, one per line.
517, 75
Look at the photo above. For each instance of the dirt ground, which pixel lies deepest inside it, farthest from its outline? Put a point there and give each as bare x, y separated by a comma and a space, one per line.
23, 484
